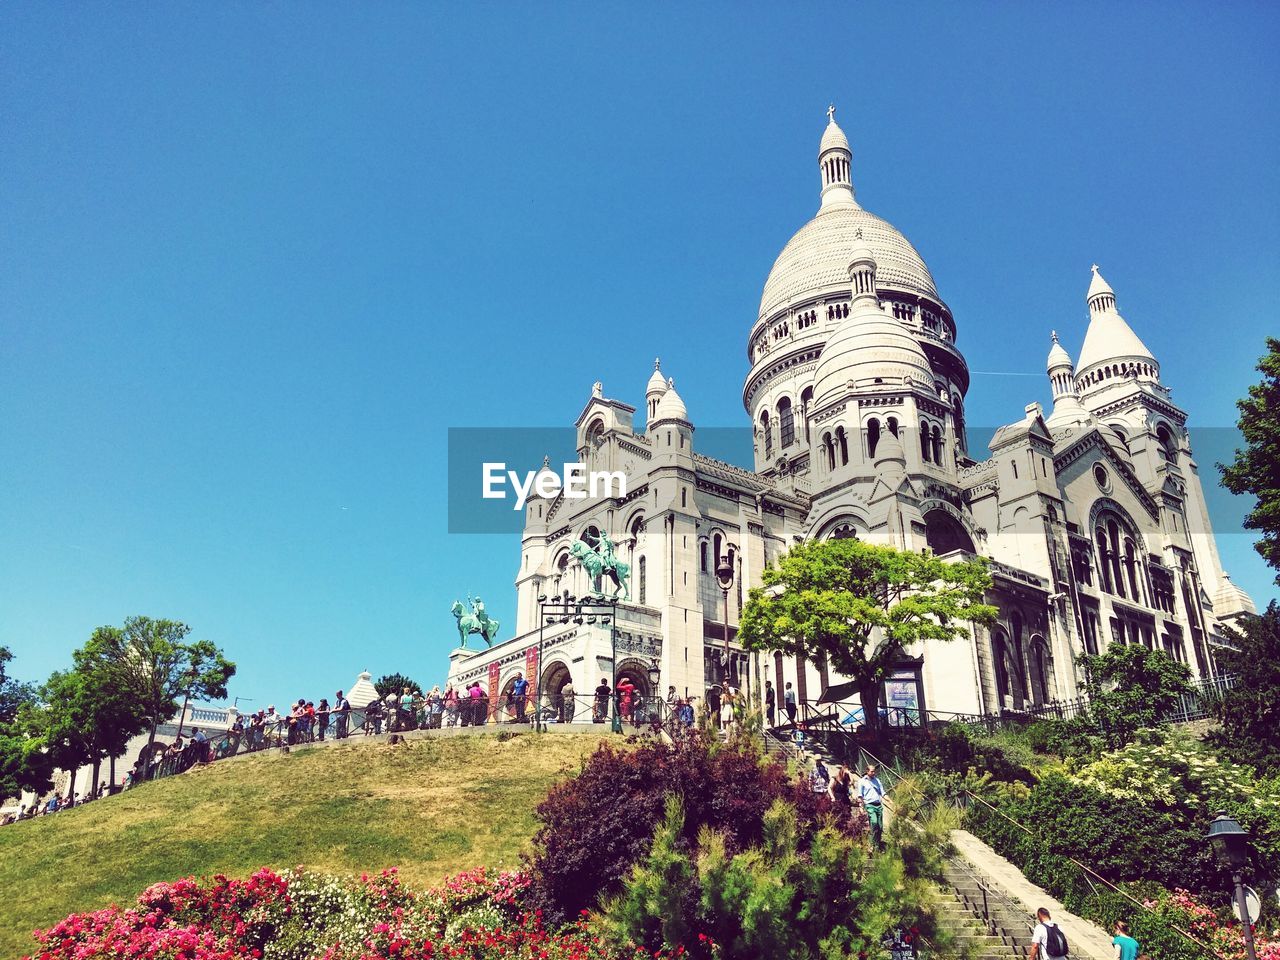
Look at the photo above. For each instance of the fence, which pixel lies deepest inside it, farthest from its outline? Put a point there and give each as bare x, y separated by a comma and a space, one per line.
635, 714
834, 723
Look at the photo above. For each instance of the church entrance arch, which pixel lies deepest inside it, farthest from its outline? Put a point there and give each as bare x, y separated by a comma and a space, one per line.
554, 676
945, 534
640, 704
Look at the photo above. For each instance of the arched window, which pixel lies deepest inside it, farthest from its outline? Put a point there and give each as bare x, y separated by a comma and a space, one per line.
716, 552
806, 401
844, 446
925, 449
1168, 446
768, 435
702, 549
937, 445
786, 423
1039, 671
595, 433
1104, 558
873, 436
1000, 658
828, 451
892, 423
641, 579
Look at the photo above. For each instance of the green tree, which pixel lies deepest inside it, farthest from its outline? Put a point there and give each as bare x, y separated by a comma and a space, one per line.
1250, 711
153, 661
1130, 687
24, 762
12, 693
1256, 469
395, 683
862, 607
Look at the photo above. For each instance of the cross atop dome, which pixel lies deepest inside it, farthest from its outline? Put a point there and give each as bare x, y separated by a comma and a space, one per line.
831, 113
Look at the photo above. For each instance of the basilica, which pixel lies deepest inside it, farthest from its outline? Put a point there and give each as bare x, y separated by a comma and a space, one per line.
1092, 516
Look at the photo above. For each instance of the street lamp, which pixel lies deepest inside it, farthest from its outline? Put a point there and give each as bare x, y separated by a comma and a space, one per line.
724, 573
1230, 842
655, 675
186, 697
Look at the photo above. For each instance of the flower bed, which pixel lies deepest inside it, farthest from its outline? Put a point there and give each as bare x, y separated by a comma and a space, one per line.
302, 915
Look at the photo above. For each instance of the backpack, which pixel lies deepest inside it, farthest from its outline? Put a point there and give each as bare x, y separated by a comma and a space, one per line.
1055, 941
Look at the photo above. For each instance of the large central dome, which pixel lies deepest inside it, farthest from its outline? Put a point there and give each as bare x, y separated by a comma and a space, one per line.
816, 260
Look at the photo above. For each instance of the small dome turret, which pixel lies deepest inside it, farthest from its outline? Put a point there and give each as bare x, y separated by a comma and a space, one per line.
653, 392
1111, 348
671, 407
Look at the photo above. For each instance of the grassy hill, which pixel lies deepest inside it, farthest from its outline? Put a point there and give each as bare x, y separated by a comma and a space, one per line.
431, 807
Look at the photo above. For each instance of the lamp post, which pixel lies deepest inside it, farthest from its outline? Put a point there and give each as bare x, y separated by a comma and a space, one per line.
724, 573
655, 675
1231, 843
585, 610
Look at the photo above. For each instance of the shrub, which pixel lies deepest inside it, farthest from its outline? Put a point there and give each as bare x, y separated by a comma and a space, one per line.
1130, 687
598, 824
767, 900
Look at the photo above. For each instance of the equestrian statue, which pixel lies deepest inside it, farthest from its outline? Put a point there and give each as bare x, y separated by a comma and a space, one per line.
599, 560
477, 621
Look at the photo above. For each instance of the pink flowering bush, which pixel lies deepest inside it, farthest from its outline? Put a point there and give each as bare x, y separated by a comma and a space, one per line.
1220, 929
303, 915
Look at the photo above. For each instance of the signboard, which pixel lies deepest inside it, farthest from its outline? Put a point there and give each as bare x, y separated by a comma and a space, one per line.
494, 671
901, 943
1252, 902
902, 698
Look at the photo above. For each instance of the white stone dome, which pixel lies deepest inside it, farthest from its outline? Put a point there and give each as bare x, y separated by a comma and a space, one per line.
868, 349
816, 259
671, 407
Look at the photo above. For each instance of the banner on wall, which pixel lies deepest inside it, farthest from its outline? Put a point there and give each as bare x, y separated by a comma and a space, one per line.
531, 668
493, 689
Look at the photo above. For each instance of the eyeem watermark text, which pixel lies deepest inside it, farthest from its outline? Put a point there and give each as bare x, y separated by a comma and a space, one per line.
574, 480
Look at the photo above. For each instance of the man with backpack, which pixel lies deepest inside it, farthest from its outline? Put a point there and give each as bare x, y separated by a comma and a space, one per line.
1048, 941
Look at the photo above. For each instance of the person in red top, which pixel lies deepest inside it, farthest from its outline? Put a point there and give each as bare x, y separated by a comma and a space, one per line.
626, 690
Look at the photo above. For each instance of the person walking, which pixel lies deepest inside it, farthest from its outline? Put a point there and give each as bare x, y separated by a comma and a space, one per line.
1127, 948
567, 704
713, 706
1048, 940
727, 716
519, 697
789, 702
342, 708
840, 791
770, 702
450, 707
602, 701
322, 719
871, 795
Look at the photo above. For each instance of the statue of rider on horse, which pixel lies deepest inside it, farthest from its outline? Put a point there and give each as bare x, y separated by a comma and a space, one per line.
599, 561
477, 621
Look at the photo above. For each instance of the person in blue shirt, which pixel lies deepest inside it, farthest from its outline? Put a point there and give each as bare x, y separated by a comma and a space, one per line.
518, 691
1126, 946
871, 795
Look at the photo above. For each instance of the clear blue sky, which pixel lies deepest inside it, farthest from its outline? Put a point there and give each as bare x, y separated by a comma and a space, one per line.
256, 258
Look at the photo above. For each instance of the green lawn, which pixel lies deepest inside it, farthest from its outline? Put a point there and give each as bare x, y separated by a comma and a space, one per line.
431, 807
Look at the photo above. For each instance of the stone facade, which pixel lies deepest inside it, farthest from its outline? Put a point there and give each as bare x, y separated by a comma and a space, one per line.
1093, 517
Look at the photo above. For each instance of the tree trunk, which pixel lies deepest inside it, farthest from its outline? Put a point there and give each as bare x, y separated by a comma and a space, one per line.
97, 768
869, 694
71, 788
111, 772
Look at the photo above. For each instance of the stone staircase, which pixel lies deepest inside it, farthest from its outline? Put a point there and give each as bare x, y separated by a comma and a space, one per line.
986, 923
973, 939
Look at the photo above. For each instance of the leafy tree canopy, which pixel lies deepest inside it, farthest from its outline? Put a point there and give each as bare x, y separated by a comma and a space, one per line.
1256, 468
155, 663
395, 683
12, 693
861, 606
1130, 687
1250, 711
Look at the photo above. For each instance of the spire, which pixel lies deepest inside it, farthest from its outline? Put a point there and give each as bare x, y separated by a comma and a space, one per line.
1111, 349
835, 161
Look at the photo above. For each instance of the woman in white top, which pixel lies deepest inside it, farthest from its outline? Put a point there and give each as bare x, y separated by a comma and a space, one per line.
727, 717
